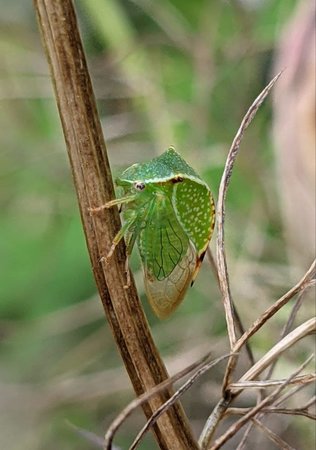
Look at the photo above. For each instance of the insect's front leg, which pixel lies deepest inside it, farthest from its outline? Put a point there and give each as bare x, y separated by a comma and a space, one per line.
124, 231
117, 201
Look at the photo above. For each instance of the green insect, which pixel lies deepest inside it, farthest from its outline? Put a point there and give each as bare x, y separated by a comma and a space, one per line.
169, 211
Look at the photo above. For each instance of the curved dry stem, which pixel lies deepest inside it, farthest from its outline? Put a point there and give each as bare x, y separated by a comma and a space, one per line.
289, 323
288, 341
134, 404
220, 210
220, 218
305, 280
222, 271
272, 436
233, 429
174, 398
237, 317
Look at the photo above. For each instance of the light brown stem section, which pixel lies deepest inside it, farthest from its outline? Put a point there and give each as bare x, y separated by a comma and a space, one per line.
93, 182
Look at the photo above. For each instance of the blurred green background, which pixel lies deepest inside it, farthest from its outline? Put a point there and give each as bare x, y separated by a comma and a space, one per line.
168, 72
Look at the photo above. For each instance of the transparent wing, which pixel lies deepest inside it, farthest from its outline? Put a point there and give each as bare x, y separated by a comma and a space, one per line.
168, 257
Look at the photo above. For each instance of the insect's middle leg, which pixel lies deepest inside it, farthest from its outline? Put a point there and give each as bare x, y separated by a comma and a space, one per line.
130, 242
115, 242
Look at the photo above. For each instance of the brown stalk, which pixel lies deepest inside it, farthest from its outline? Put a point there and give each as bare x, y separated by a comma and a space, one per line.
93, 183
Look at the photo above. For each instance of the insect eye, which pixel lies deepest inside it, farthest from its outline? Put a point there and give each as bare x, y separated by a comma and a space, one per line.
139, 185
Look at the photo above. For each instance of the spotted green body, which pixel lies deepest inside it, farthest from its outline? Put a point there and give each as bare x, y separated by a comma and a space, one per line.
169, 211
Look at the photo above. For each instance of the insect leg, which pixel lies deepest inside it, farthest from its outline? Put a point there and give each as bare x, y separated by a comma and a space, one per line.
117, 201
130, 239
117, 239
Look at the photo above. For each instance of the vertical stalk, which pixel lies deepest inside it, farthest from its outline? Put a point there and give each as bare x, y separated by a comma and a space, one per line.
93, 183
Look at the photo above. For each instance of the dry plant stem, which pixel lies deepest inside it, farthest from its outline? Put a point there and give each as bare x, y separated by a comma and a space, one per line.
302, 379
276, 306
232, 430
236, 314
174, 398
220, 218
291, 392
220, 210
301, 411
290, 321
310, 402
213, 264
300, 288
134, 404
222, 405
287, 411
93, 182
272, 436
247, 432
241, 329
288, 341
95, 440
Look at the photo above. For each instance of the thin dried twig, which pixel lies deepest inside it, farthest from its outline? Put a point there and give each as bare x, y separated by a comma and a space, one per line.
263, 384
290, 321
289, 394
306, 328
298, 333
134, 404
310, 402
239, 324
174, 398
300, 288
213, 264
255, 410
272, 436
292, 412
247, 432
302, 411
89, 436
223, 277
220, 210
287, 411
241, 329
305, 280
